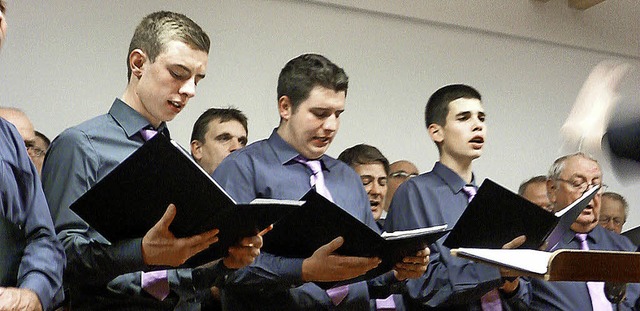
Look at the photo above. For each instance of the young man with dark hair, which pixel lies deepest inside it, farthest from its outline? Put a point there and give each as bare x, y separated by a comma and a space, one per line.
167, 58
217, 133
311, 97
455, 120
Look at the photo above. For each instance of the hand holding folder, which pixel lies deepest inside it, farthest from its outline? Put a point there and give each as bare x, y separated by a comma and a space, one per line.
132, 198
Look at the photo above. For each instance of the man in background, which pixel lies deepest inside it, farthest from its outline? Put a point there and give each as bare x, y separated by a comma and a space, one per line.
535, 190
569, 177
613, 212
31, 257
399, 172
216, 134
21, 121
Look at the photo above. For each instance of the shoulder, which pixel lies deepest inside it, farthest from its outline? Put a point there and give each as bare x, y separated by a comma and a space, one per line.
616, 241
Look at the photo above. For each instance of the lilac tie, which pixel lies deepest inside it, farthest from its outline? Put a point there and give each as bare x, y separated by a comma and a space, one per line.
599, 301
148, 133
337, 294
386, 304
155, 283
317, 177
491, 300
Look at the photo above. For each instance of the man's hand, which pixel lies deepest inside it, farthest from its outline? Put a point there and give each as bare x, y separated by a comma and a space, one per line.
160, 247
325, 266
509, 285
244, 253
12, 298
412, 267
587, 121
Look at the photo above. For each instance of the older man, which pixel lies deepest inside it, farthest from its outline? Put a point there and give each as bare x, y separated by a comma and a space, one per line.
569, 177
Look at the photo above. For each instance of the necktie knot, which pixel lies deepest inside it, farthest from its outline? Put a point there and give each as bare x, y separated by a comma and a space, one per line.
470, 191
148, 133
317, 177
582, 237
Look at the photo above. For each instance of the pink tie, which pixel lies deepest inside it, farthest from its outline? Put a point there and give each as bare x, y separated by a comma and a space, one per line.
491, 300
317, 177
599, 301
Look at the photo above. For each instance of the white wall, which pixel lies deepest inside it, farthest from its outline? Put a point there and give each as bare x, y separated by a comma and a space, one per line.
64, 62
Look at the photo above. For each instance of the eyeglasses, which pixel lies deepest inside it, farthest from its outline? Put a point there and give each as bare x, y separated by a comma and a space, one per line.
616, 221
402, 174
33, 150
582, 185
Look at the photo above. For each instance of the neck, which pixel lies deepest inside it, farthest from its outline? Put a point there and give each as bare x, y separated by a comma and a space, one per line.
462, 168
132, 100
583, 228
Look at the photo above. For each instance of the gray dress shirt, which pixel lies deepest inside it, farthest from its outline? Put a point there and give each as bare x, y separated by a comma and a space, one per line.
450, 283
267, 169
101, 274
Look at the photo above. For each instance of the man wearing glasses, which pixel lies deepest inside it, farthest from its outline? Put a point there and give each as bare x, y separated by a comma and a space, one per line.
613, 212
399, 171
569, 177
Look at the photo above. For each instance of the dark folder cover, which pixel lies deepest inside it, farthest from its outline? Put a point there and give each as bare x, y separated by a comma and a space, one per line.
318, 221
496, 216
128, 201
633, 234
12, 244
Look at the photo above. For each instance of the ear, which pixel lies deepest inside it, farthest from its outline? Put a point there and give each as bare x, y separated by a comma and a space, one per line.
436, 132
552, 187
137, 59
196, 150
284, 108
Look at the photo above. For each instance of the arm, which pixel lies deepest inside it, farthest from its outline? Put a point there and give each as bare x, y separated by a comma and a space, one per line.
40, 271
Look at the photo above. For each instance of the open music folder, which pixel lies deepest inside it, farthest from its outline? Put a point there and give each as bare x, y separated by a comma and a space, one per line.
318, 221
560, 265
496, 216
132, 198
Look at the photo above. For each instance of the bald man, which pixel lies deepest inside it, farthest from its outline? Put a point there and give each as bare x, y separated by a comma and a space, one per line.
399, 171
20, 120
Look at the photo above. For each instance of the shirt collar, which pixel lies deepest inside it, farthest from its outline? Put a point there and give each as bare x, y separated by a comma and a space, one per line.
596, 235
451, 178
287, 154
130, 120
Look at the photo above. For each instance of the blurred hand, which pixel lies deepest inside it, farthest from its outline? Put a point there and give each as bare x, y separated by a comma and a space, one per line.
160, 247
587, 121
325, 266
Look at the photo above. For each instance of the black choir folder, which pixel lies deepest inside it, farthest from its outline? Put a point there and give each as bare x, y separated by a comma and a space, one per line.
496, 216
128, 201
318, 221
560, 265
633, 234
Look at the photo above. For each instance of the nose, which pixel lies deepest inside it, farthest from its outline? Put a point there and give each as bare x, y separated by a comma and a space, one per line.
331, 123
235, 145
189, 88
477, 124
376, 188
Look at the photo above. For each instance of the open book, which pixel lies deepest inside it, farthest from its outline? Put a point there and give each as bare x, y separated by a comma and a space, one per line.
127, 202
560, 265
496, 216
318, 221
